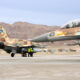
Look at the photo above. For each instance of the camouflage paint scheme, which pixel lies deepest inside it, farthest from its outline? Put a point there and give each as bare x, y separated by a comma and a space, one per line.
67, 32
12, 42
70, 31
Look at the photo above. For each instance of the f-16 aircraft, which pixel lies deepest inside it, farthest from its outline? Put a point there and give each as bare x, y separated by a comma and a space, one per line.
69, 31
14, 46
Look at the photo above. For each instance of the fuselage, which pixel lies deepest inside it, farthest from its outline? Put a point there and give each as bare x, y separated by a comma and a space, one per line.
70, 33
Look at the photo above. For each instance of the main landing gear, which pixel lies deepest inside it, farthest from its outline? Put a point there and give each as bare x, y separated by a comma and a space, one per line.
12, 54
27, 54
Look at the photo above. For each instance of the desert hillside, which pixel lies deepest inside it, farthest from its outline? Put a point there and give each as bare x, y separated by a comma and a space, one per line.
24, 30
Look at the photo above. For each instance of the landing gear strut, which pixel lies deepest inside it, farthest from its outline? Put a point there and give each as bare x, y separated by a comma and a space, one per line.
24, 55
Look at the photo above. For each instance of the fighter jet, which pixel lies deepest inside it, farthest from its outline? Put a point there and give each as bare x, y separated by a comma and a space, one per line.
14, 46
69, 31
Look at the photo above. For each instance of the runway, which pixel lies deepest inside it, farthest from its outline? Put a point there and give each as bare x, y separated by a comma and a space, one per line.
49, 59
49, 67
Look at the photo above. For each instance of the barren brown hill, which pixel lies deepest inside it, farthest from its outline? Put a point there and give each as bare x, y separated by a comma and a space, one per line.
24, 30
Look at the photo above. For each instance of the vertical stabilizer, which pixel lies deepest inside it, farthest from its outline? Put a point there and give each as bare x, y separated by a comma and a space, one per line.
3, 34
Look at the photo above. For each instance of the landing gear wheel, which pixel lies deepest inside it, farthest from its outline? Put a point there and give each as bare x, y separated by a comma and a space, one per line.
24, 55
12, 54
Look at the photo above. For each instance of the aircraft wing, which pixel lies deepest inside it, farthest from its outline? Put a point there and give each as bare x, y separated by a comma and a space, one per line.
50, 37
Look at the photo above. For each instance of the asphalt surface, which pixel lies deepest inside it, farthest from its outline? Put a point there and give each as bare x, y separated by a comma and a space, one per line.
48, 67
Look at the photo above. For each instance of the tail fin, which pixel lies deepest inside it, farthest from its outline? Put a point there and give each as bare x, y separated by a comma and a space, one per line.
3, 34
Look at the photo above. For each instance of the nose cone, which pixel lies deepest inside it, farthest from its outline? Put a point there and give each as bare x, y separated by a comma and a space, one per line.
41, 38
44, 38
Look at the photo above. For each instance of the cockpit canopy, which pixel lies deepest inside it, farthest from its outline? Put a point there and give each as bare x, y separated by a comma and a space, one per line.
72, 24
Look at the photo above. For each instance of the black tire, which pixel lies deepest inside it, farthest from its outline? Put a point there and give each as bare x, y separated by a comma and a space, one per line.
12, 54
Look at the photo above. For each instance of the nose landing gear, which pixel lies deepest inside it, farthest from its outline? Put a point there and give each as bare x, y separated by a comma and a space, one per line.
12, 54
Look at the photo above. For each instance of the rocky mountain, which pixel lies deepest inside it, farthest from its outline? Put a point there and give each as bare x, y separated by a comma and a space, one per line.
24, 30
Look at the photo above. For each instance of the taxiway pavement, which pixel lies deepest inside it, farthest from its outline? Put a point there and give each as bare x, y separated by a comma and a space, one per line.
48, 67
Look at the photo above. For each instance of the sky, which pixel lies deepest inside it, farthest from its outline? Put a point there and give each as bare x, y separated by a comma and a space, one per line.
46, 12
